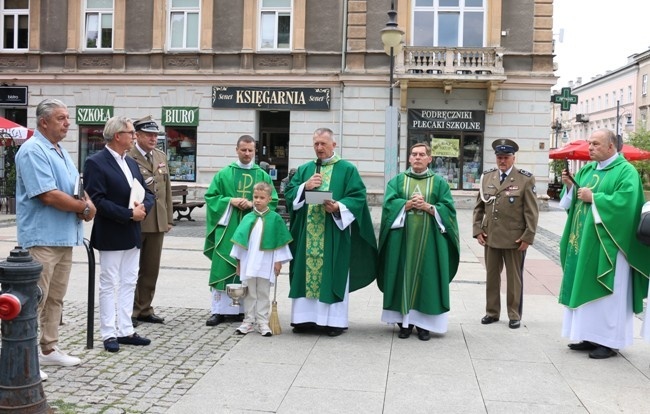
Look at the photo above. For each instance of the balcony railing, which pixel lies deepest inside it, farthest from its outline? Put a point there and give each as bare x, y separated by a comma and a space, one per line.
451, 61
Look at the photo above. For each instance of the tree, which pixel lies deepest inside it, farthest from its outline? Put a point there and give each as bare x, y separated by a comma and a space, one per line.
641, 140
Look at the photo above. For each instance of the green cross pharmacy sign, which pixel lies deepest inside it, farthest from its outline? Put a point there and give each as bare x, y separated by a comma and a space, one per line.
565, 99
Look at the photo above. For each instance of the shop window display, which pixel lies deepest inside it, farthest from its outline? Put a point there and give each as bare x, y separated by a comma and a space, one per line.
181, 153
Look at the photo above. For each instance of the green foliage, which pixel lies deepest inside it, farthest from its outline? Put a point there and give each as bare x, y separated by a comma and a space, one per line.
641, 140
556, 167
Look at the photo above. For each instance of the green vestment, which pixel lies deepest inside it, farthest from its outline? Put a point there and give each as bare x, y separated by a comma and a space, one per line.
231, 182
274, 230
417, 261
588, 249
353, 249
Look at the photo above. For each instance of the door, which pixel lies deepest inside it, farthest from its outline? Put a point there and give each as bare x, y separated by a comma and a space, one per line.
273, 144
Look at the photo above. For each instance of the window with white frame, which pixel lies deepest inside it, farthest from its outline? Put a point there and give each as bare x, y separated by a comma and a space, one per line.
184, 18
275, 25
606, 100
449, 23
629, 94
14, 24
98, 19
644, 85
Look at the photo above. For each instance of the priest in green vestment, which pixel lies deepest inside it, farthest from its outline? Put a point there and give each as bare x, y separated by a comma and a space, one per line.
418, 248
605, 268
334, 245
228, 200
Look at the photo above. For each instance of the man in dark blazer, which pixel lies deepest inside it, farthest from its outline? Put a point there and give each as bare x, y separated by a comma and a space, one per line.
118, 190
153, 166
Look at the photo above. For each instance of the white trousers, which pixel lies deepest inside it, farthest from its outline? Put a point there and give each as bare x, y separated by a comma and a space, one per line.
257, 304
117, 280
221, 304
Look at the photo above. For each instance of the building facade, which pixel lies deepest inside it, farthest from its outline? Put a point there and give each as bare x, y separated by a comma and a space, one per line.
467, 72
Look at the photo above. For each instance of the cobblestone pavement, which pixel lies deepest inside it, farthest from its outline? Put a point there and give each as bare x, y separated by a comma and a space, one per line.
136, 379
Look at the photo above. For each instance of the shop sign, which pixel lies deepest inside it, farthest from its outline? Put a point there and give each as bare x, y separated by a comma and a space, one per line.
180, 115
446, 120
444, 147
93, 115
13, 95
306, 99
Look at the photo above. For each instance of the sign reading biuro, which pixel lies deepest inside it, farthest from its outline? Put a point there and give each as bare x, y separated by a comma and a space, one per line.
306, 99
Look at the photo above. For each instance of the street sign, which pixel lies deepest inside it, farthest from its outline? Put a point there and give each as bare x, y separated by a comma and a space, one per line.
565, 99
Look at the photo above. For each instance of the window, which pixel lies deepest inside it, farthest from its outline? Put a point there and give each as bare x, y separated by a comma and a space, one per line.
606, 100
15, 24
644, 85
99, 24
275, 25
600, 106
449, 23
184, 24
629, 94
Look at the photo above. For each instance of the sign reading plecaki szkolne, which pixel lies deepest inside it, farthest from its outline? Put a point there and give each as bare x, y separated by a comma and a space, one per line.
306, 99
93, 115
446, 119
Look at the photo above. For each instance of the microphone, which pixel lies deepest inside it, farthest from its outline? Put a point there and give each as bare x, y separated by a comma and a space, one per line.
319, 163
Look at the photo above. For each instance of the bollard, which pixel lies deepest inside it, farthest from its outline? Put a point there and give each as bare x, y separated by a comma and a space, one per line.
21, 390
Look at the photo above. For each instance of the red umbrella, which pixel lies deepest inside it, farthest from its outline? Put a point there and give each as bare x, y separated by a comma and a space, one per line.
18, 132
579, 150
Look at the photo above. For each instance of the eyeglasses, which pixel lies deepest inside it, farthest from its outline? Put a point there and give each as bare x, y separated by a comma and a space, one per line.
128, 132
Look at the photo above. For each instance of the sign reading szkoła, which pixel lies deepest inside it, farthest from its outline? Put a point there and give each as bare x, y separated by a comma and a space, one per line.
306, 99
93, 115
180, 115
13, 95
446, 119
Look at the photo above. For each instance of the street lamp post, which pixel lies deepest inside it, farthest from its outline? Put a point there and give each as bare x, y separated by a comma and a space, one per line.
391, 37
628, 124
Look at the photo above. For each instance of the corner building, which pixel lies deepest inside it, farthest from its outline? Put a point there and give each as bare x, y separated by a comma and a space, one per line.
467, 72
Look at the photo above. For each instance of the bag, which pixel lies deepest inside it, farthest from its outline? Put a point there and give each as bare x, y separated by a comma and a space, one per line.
643, 232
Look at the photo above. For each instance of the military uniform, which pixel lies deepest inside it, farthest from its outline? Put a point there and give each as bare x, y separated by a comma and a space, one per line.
154, 226
506, 212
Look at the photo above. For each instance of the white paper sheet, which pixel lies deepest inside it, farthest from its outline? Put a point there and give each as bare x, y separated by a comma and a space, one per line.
317, 197
137, 193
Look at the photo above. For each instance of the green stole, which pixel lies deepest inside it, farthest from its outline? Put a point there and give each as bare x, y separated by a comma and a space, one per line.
419, 231
316, 235
274, 230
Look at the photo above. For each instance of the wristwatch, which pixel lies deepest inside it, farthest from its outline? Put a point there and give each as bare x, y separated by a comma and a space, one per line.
86, 211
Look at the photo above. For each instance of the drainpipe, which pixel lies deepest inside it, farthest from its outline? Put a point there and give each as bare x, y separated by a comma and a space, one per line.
344, 48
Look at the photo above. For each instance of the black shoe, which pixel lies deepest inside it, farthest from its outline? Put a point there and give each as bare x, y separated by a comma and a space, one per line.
423, 334
487, 319
134, 322
333, 331
300, 328
215, 320
583, 346
239, 318
153, 318
111, 345
405, 332
133, 339
514, 324
602, 352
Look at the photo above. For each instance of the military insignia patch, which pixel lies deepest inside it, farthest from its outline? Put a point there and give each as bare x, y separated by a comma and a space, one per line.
526, 173
490, 170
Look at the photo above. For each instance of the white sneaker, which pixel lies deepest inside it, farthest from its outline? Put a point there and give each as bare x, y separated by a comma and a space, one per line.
264, 329
58, 357
245, 328
43, 375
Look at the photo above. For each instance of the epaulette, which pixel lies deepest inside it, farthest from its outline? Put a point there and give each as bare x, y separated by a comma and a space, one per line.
526, 173
490, 170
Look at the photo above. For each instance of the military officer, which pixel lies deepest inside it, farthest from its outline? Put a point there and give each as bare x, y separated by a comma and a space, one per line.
153, 166
505, 220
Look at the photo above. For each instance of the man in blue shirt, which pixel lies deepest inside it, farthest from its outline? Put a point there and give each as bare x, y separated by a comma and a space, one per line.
49, 218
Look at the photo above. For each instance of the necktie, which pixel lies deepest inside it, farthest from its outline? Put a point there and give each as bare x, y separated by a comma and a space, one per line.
150, 159
503, 177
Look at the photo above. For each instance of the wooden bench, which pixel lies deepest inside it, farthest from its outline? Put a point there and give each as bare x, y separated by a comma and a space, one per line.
180, 206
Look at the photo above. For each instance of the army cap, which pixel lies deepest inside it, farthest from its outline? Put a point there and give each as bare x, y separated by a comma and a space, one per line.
146, 124
504, 146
